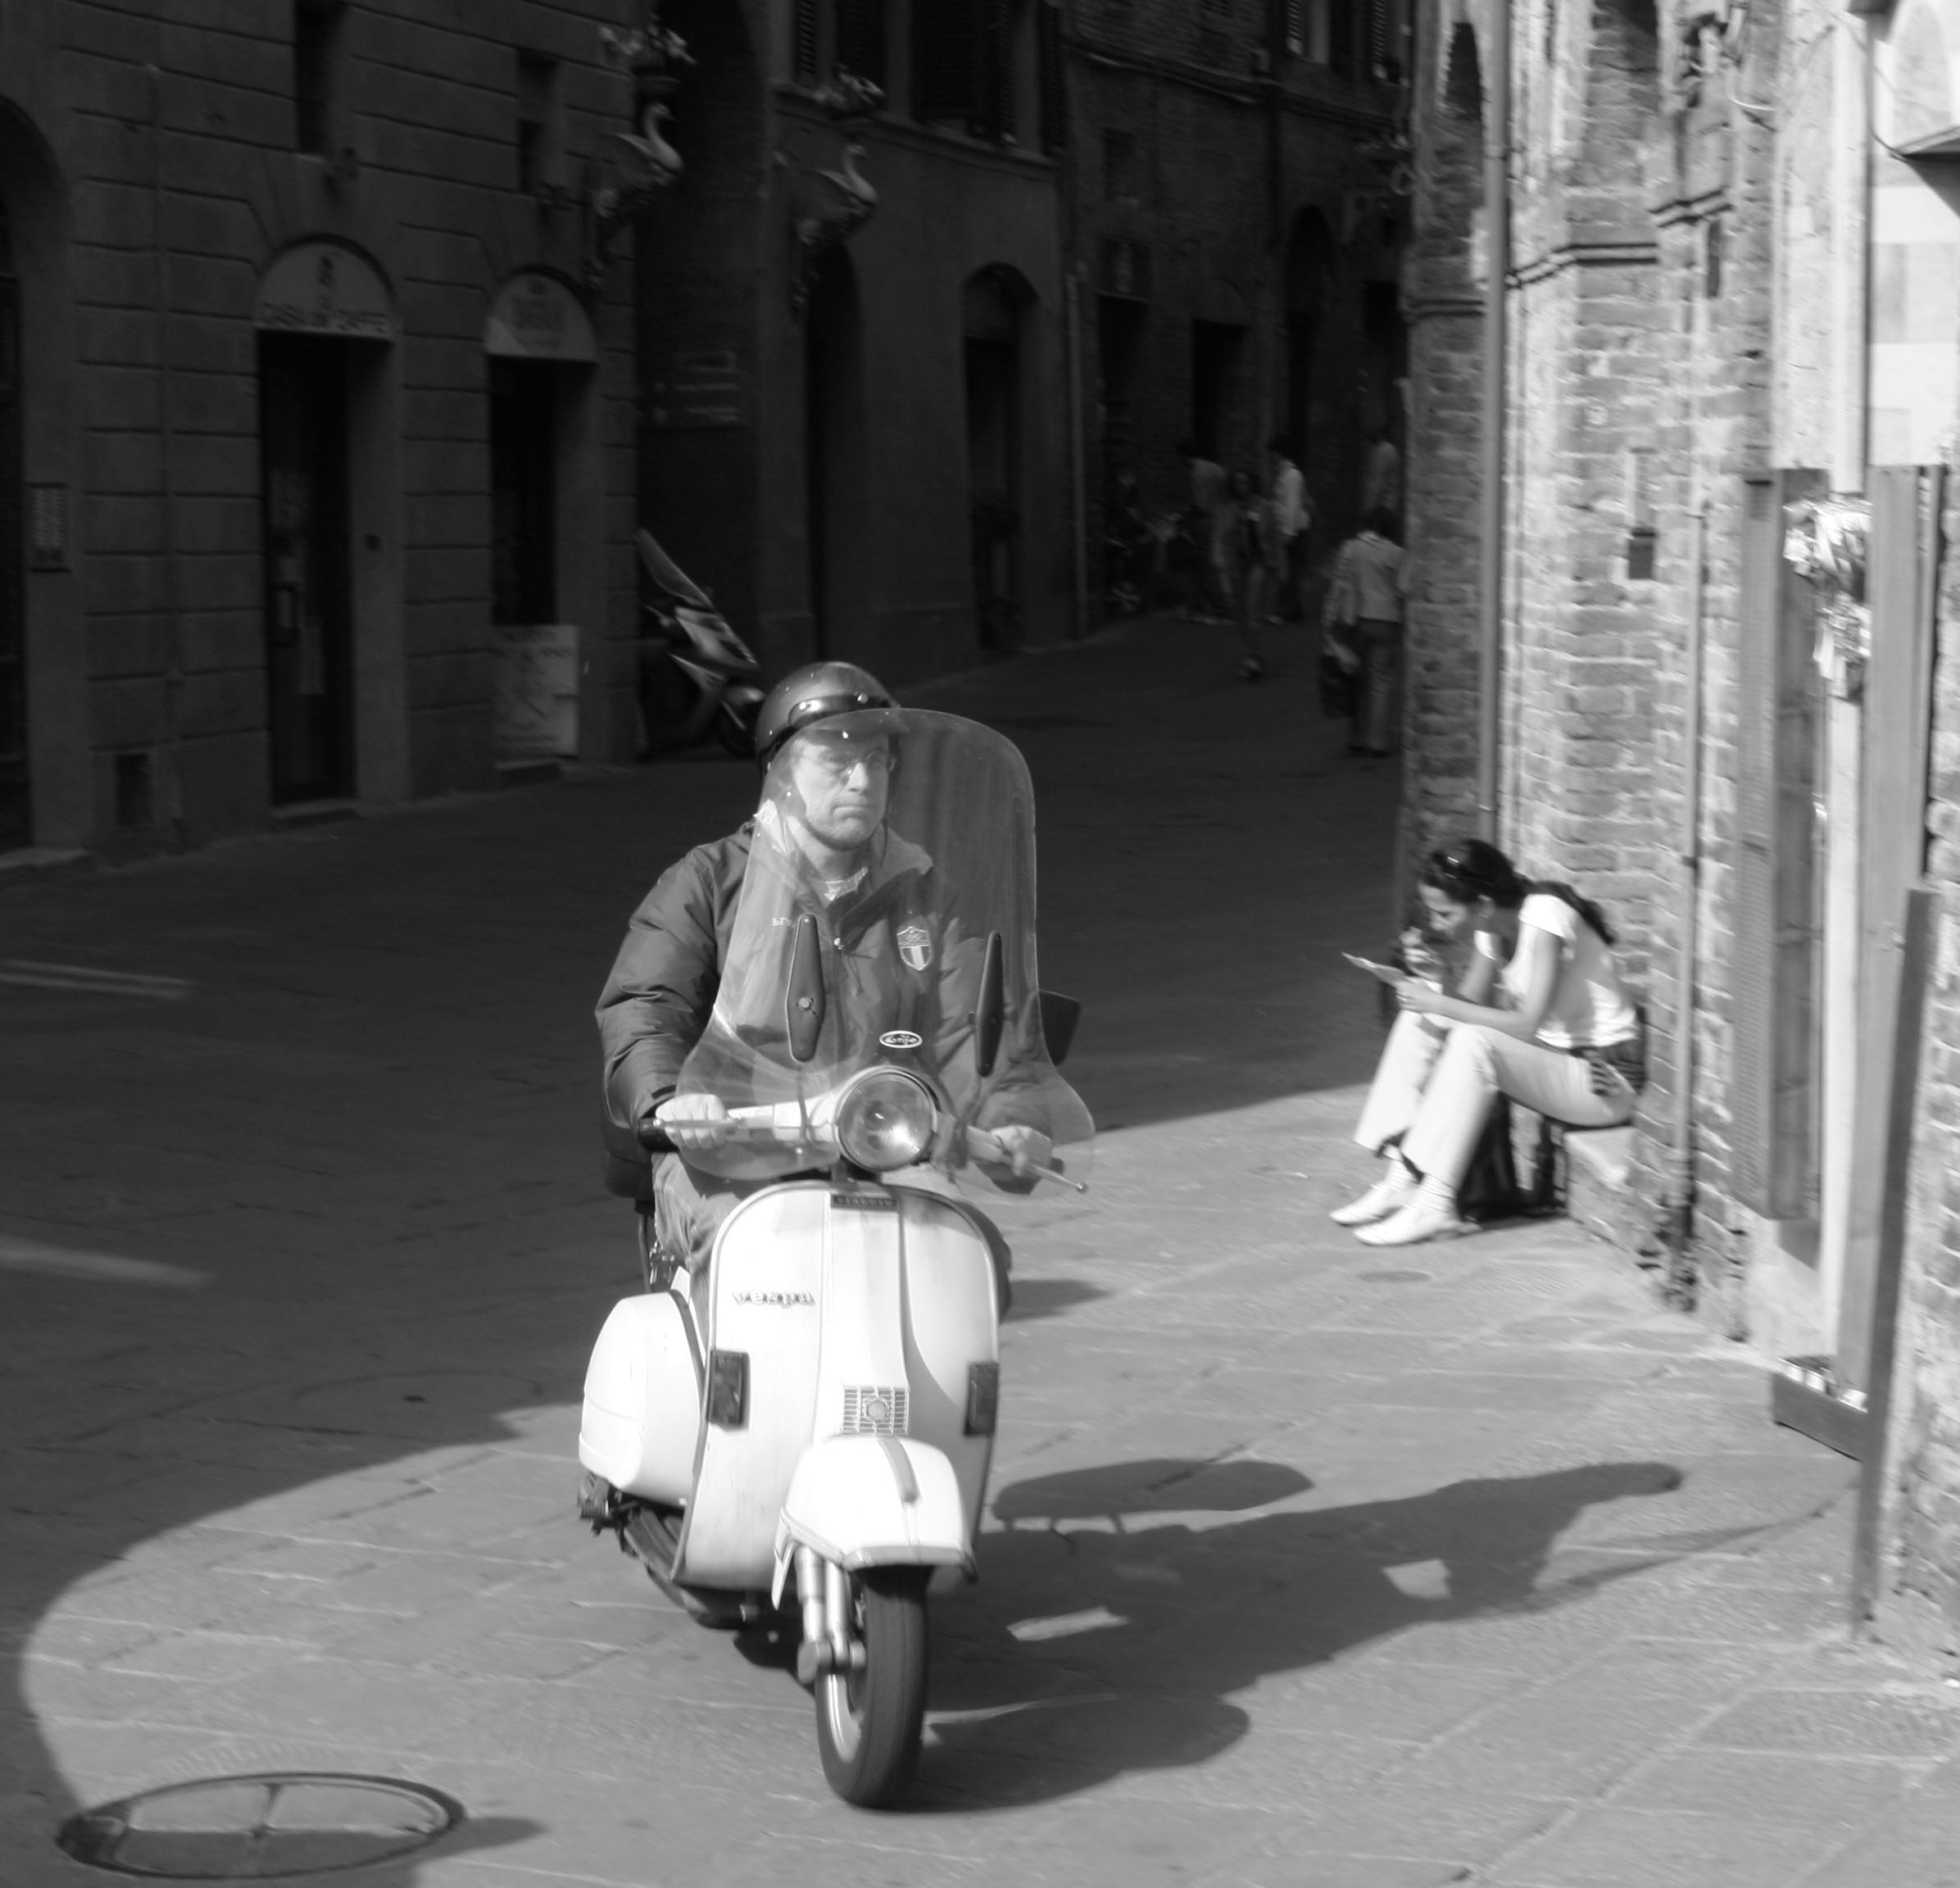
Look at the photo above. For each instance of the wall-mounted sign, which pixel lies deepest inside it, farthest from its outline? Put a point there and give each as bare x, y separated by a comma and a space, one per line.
47, 527
321, 289
536, 681
701, 389
535, 317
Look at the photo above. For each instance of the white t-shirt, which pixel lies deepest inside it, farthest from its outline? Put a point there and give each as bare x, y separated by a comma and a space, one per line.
1589, 1008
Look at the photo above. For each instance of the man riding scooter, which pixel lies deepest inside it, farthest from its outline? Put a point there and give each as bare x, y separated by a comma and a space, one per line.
893, 924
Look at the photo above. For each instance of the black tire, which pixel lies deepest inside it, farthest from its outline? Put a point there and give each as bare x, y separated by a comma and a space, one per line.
869, 1722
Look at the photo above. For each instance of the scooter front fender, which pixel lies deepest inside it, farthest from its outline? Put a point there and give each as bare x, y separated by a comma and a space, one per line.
873, 1501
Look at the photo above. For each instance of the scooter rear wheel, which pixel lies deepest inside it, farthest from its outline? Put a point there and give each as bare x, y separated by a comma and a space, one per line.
869, 1721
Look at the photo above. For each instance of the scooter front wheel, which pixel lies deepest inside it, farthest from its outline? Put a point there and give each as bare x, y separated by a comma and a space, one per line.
869, 1720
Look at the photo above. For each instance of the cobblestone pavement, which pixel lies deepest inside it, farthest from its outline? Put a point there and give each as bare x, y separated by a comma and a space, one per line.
1309, 1565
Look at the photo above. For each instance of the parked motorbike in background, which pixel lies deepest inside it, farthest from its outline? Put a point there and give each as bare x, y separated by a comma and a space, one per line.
695, 674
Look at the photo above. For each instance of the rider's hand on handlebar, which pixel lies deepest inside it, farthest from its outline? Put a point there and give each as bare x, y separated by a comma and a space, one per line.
693, 1121
1027, 1150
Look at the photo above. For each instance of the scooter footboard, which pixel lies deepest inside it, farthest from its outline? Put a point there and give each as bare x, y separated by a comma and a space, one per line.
874, 1501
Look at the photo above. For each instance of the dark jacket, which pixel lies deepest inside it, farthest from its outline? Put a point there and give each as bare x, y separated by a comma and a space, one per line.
661, 989
899, 952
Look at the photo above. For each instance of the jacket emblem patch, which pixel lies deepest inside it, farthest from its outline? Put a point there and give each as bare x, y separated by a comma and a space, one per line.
916, 946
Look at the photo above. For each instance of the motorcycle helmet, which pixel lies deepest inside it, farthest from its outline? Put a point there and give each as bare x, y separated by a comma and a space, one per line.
815, 692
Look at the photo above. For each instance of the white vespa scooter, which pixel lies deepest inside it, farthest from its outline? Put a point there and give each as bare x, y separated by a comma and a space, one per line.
823, 1402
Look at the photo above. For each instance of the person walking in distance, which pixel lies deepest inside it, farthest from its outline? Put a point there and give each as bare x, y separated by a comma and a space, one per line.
1382, 474
1246, 555
1364, 607
1291, 514
1211, 507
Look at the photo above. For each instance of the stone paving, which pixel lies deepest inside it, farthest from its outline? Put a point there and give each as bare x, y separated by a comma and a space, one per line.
1308, 1566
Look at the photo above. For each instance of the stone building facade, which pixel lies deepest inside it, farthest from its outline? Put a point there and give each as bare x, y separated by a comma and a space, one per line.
1728, 698
301, 326
854, 416
1237, 209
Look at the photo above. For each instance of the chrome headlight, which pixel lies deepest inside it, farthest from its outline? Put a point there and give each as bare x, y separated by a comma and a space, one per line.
884, 1120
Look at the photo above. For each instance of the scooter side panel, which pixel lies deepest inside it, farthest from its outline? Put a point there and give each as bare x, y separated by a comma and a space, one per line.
765, 1296
641, 1423
951, 1323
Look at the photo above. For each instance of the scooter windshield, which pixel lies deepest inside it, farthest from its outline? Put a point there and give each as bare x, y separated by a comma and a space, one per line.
890, 846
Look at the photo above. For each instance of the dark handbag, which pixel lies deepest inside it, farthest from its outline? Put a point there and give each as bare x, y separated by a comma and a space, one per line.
1489, 1186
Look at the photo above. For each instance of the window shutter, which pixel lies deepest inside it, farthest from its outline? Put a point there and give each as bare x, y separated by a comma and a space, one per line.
861, 38
803, 48
1771, 1100
945, 50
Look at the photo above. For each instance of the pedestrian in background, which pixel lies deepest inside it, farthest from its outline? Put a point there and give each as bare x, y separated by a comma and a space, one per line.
1364, 611
1246, 555
1291, 514
1382, 474
1211, 508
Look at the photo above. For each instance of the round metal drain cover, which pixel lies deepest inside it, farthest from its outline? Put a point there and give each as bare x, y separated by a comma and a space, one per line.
259, 1827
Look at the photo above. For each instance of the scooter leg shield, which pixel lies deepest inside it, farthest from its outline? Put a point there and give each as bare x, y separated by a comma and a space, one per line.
875, 1501
642, 1418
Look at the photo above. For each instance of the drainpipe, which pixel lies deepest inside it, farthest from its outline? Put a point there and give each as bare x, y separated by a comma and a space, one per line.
1497, 267
173, 613
1675, 1224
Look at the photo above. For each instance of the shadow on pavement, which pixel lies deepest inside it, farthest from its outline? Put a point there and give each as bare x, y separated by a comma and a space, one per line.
1086, 1654
1036, 1298
155, 1410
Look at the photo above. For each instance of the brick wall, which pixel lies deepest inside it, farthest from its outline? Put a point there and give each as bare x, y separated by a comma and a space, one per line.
1638, 395
1444, 476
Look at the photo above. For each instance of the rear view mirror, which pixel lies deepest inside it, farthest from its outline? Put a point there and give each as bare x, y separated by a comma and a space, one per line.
803, 998
989, 1007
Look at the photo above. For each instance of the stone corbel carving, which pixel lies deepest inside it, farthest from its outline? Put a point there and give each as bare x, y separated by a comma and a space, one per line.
629, 169
1826, 541
1701, 31
828, 207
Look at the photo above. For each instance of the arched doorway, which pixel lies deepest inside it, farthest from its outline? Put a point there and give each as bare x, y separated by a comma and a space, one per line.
546, 536
994, 311
834, 457
1221, 320
322, 314
16, 812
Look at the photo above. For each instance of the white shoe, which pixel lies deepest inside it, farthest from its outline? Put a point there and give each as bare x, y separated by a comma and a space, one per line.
1393, 1191
1414, 1223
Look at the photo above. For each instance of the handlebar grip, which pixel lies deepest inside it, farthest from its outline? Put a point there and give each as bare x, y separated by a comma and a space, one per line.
653, 1136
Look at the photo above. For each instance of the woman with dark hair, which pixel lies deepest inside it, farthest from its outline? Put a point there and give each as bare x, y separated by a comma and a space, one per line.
1562, 1036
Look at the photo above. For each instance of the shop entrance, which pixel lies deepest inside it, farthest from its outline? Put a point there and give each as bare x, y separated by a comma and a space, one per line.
309, 628
16, 820
523, 479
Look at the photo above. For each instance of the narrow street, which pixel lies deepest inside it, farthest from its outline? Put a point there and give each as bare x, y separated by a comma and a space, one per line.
1309, 1566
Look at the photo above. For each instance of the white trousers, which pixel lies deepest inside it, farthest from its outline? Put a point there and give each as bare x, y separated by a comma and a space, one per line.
1433, 1088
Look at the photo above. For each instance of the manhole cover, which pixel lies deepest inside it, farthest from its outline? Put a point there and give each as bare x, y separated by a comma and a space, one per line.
256, 1828
1393, 1277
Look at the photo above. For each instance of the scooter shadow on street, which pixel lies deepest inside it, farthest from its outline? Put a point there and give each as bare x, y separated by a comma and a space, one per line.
1115, 1645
